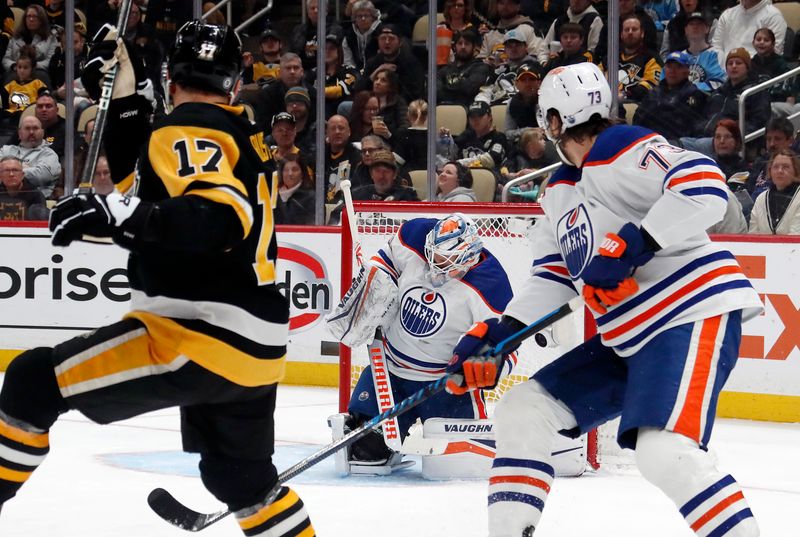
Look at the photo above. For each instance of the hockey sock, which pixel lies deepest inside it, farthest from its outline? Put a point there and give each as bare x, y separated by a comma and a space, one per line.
284, 517
711, 502
526, 421
30, 403
22, 450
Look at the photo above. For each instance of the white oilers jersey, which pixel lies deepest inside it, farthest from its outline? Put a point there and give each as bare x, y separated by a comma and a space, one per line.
633, 175
430, 320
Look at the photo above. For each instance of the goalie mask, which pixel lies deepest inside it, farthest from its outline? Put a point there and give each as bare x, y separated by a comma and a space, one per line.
452, 247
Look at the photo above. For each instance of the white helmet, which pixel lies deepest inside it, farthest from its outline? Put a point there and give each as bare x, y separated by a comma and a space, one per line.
576, 92
452, 247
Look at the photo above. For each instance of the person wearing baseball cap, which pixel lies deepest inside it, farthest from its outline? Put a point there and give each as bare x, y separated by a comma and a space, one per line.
723, 103
481, 145
392, 55
268, 68
521, 108
674, 108
283, 136
674, 31
511, 21
340, 81
385, 187
691, 36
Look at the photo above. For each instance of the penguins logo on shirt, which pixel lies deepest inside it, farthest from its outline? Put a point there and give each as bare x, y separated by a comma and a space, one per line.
575, 239
422, 311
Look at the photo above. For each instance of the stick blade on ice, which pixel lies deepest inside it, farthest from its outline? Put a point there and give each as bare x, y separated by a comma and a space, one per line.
167, 507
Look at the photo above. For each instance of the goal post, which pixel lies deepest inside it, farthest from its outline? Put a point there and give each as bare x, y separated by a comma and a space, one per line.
504, 229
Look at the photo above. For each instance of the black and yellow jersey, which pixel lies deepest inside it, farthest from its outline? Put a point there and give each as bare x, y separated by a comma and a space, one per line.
217, 306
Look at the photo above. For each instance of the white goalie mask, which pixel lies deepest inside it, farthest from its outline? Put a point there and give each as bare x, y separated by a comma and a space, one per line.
452, 247
573, 94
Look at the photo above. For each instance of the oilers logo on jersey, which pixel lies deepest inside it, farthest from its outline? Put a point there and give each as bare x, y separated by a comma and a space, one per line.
422, 311
576, 239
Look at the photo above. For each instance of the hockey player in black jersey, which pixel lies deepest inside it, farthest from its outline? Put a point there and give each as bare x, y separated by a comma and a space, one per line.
208, 329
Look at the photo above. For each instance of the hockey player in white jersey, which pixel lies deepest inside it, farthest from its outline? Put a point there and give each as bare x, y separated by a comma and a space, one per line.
424, 289
623, 226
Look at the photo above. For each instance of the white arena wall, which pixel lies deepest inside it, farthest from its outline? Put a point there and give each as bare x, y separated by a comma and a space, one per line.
50, 294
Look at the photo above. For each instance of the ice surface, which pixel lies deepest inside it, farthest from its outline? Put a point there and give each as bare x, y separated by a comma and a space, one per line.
96, 478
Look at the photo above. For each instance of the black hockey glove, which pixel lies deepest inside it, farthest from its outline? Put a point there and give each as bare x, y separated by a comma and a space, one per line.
107, 51
122, 218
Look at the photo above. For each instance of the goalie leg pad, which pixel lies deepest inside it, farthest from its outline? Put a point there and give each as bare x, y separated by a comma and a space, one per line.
527, 420
370, 455
368, 304
286, 516
711, 502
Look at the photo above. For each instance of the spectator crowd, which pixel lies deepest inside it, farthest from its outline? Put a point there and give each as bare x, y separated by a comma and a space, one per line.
683, 66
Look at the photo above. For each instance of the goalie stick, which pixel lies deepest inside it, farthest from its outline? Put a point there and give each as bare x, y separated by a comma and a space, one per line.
165, 505
377, 350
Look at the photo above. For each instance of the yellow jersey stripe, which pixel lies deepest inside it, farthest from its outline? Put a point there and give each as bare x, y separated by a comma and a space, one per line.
37, 440
269, 511
211, 353
130, 359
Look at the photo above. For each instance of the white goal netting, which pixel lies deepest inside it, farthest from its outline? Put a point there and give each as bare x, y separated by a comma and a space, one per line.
505, 232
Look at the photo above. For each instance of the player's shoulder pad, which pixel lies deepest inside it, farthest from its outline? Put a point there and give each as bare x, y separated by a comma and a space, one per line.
616, 140
565, 175
489, 279
412, 234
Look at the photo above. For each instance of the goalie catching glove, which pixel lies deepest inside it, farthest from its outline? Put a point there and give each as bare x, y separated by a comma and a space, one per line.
608, 279
372, 297
122, 218
472, 366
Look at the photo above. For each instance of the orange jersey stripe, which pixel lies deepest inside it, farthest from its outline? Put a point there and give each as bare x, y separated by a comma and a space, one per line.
671, 299
714, 511
688, 423
522, 479
695, 177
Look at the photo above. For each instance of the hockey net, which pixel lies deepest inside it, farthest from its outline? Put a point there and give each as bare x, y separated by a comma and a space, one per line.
504, 229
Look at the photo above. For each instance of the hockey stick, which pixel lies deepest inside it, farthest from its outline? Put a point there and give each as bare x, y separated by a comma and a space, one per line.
173, 511
377, 351
100, 120
344, 184
383, 390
